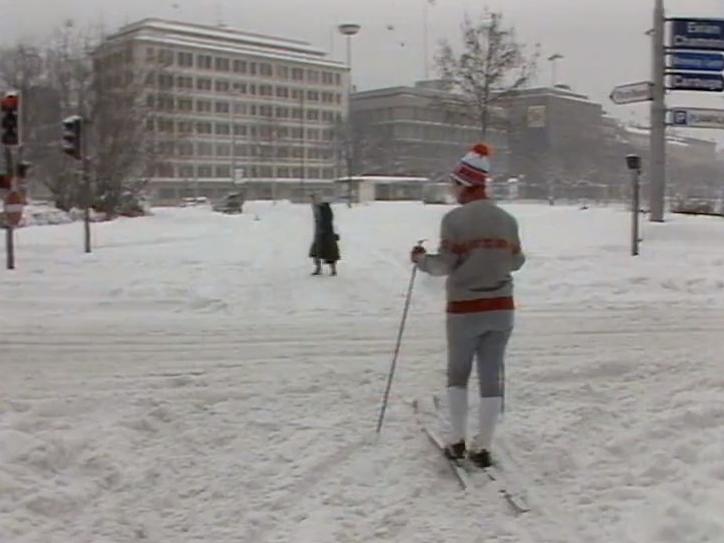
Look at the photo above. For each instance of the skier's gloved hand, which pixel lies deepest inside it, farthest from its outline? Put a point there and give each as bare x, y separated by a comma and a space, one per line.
417, 253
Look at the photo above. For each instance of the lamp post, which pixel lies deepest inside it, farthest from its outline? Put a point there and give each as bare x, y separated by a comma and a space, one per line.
349, 30
553, 59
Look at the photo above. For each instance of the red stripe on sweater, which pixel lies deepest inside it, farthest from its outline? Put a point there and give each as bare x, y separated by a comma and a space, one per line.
481, 304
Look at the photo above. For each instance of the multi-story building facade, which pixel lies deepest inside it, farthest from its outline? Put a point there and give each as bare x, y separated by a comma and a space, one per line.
420, 131
225, 106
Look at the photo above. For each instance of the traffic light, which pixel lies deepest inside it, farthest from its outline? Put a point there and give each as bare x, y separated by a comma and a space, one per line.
72, 134
9, 106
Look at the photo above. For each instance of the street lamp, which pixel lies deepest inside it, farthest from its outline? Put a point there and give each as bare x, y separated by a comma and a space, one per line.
349, 30
553, 60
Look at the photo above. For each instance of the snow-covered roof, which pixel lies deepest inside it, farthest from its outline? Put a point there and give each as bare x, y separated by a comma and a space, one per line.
223, 40
383, 179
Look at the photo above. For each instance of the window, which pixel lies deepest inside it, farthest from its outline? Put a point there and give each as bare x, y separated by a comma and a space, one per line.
282, 152
205, 170
240, 66
313, 96
185, 59
313, 134
297, 74
297, 94
165, 102
240, 130
265, 69
223, 149
282, 113
265, 90
165, 57
150, 54
240, 109
203, 62
185, 104
221, 107
185, 148
222, 129
203, 106
313, 173
337, 79
185, 127
338, 98
296, 133
282, 72
184, 82
283, 172
165, 125
204, 148
328, 97
252, 68
240, 87
185, 170
252, 90
327, 173
221, 85
223, 170
222, 64
296, 113
282, 92
241, 150
327, 78
203, 128
203, 83
266, 111
312, 76
328, 116
312, 114
252, 109
165, 81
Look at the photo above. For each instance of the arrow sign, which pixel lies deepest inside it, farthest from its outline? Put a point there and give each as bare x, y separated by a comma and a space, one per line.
697, 117
696, 82
702, 62
698, 34
632, 92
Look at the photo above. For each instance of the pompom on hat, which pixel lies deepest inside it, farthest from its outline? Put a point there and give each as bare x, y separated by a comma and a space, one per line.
474, 167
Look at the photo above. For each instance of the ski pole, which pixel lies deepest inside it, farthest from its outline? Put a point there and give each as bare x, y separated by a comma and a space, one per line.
391, 374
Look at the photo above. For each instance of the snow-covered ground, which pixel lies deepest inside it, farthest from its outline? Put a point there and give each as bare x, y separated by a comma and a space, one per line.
189, 381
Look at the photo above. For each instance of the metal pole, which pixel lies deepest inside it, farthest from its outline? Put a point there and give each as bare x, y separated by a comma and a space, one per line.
10, 247
635, 206
86, 184
657, 183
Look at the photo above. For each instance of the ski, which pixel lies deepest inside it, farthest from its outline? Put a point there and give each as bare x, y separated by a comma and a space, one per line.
515, 499
461, 475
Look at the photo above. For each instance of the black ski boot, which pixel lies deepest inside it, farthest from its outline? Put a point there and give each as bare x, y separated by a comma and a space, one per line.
480, 458
455, 451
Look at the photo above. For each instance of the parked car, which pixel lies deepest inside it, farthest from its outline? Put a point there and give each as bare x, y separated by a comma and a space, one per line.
231, 203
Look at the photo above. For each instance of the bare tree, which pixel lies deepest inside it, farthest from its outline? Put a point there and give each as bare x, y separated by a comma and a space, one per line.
491, 66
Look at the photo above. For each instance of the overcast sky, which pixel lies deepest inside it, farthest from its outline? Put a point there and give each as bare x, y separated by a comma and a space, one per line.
603, 41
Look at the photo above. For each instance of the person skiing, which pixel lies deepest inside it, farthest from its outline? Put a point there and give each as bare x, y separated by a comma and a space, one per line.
324, 245
479, 249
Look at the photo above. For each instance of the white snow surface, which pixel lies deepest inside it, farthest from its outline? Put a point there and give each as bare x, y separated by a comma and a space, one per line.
189, 381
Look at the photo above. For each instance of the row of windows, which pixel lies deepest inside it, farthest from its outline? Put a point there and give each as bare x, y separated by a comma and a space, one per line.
169, 103
268, 132
251, 171
166, 57
208, 149
186, 82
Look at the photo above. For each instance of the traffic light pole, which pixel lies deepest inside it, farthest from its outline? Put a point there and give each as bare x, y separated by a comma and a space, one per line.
86, 186
657, 183
9, 230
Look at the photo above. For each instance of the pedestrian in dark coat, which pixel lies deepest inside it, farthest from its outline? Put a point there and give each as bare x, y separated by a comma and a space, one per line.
324, 246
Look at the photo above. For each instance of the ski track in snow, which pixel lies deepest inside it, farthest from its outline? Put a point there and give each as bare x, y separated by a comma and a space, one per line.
188, 381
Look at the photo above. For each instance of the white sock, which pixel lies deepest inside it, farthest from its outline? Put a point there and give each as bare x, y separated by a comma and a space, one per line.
488, 413
457, 398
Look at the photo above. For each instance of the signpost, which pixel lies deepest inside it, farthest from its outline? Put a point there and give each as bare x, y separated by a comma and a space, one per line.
701, 62
632, 92
13, 210
697, 117
700, 34
692, 81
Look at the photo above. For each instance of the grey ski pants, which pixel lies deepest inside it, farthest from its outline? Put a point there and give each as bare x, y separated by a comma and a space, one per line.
483, 336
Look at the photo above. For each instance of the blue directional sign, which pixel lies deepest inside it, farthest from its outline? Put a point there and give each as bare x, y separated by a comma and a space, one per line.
696, 81
698, 34
701, 62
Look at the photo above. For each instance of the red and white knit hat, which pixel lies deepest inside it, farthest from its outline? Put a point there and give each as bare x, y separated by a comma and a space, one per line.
474, 167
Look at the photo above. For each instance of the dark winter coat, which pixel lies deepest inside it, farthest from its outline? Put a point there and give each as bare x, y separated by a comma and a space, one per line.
324, 246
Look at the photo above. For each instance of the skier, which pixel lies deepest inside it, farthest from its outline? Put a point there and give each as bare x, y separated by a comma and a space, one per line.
479, 248
324, 245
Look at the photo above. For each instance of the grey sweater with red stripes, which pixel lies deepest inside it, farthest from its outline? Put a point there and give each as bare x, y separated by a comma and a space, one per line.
479, 250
